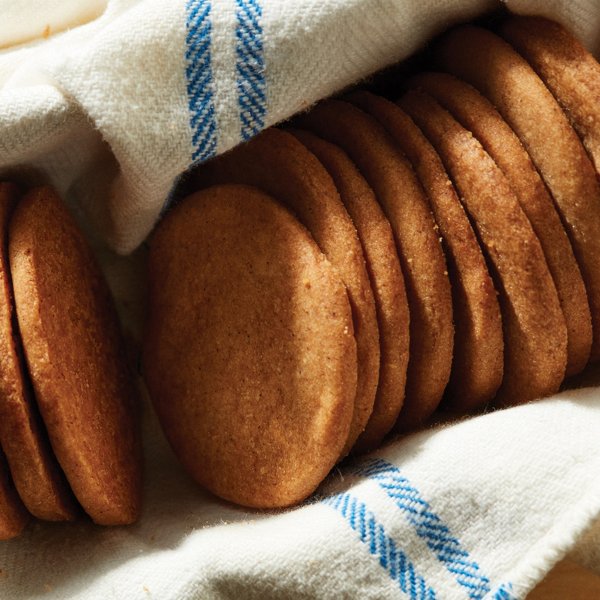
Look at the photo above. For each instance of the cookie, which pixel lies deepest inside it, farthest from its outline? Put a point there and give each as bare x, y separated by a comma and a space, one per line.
491, 65
385, 273
478, 363
75, 358
569, 71
477, 115
249, 353
276, 162
35, 472
535, 333
423, 263
13, 515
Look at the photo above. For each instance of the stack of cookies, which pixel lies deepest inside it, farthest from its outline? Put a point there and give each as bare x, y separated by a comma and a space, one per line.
338, 280
68, 429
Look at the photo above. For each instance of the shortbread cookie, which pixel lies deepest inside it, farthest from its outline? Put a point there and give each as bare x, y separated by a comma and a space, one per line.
75, 358
535, 333
34, 469
249, 353
13, 515
387, 283
276, 162
423, 263
478, 343
500, 73
569, 71
476, 114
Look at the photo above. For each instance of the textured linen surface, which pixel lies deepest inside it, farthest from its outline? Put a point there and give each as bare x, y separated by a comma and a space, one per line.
111, 102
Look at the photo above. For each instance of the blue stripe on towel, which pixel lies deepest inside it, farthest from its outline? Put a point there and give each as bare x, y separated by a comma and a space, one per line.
428, 525
198, 74
250, 68
504, 592
373, 535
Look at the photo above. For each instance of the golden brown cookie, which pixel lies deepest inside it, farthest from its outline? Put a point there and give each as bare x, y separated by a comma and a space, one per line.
276, 162
423, 264
535, 333
75, 358
385, 273
13, 515
476, 114
569, 71
249, 353
35, 472
490, 64
478, 362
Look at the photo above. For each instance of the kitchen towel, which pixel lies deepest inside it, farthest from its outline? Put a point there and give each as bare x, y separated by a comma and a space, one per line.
112, 104
114, 110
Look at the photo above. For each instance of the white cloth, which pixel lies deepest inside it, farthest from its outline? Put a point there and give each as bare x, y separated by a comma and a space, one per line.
112, 111
115, 109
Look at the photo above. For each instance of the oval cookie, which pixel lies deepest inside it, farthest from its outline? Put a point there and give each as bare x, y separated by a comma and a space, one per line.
13, 515
75, 358
249, 353
490, 64
476, 114
569, 71
34, 469
423, 263
535, 334
276, 162
478, 362
387, 283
